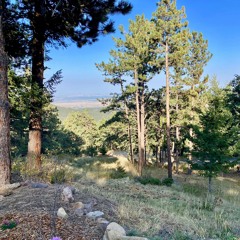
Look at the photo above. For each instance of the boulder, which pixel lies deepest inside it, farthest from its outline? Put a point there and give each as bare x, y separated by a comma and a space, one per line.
39, 185
114, 232
95, 214
67, 195
1, 198
61, 213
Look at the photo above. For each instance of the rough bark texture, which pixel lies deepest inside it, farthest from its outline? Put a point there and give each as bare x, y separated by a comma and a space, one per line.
168, 127
5, 162
35, 123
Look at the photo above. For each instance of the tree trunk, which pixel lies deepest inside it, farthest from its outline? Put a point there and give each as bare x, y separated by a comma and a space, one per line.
142, 119
5, 162
129, 127
35, 122
191, 122
140, 150
168, 127
177, 136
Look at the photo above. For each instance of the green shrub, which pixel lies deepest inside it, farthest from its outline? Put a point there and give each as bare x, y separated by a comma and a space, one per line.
148, 180
119, 172
58, 176
167, 182
103, 150
91, 151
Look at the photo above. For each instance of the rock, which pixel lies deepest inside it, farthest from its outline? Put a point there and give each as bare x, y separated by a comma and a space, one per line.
114, 232
79, 212
103, 223
77, 205
1, 198
132, 238
67, 195
5, 192
10, 186
39, 185
95, 214
61, 213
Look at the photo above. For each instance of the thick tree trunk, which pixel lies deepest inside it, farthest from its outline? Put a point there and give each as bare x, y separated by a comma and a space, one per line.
191, 122
35, 123
168, 127
5, 162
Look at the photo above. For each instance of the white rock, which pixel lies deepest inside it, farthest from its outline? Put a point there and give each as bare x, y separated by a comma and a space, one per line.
132, 238
67, 194
102, 221
114, 232
1, 198
95, 214
61, 213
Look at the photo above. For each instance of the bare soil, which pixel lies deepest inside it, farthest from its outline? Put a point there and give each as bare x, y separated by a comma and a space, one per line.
35, 211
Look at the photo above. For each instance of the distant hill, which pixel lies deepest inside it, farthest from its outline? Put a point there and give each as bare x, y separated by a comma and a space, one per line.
94, 112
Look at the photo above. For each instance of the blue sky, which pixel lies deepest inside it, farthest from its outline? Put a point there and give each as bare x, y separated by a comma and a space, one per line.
218, 20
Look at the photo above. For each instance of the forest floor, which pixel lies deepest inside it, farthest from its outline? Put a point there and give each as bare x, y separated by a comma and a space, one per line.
180, 212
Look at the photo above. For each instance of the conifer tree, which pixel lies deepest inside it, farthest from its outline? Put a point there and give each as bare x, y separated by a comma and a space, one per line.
134, 55
170, 33
197, 59
51, 23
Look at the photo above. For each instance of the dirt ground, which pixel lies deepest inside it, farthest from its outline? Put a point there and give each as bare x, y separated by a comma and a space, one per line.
35, 211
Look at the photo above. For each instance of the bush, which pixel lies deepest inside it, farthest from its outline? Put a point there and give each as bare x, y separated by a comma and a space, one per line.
91, 151
148, 180
119, 172
167, 182
58, 176
103, 150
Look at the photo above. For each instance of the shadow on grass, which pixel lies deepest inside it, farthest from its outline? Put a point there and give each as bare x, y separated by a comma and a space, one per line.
92, 162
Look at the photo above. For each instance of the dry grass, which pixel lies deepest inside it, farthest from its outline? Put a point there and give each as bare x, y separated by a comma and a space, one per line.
183, 211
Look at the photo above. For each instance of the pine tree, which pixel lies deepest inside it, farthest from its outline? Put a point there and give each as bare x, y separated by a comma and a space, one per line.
51, 23
198, 58
134, 55
170, 33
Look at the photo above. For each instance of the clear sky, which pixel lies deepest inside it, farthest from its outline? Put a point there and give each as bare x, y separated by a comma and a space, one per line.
218, 20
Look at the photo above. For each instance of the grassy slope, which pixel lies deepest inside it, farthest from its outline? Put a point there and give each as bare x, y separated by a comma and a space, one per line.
183, 211
94, 112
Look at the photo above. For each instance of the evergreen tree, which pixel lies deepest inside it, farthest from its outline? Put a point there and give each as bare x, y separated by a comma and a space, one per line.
171, 34
51, 23
197, 59
134, 55
213, 138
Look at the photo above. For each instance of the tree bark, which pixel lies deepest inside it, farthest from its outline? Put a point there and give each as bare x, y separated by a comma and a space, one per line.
138, 109
129, 127
168, 127
5, 161
35, 122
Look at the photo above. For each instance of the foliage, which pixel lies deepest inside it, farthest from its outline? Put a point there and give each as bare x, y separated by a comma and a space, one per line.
8, 224
213, 138
167, 182
119, 172
148, 180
